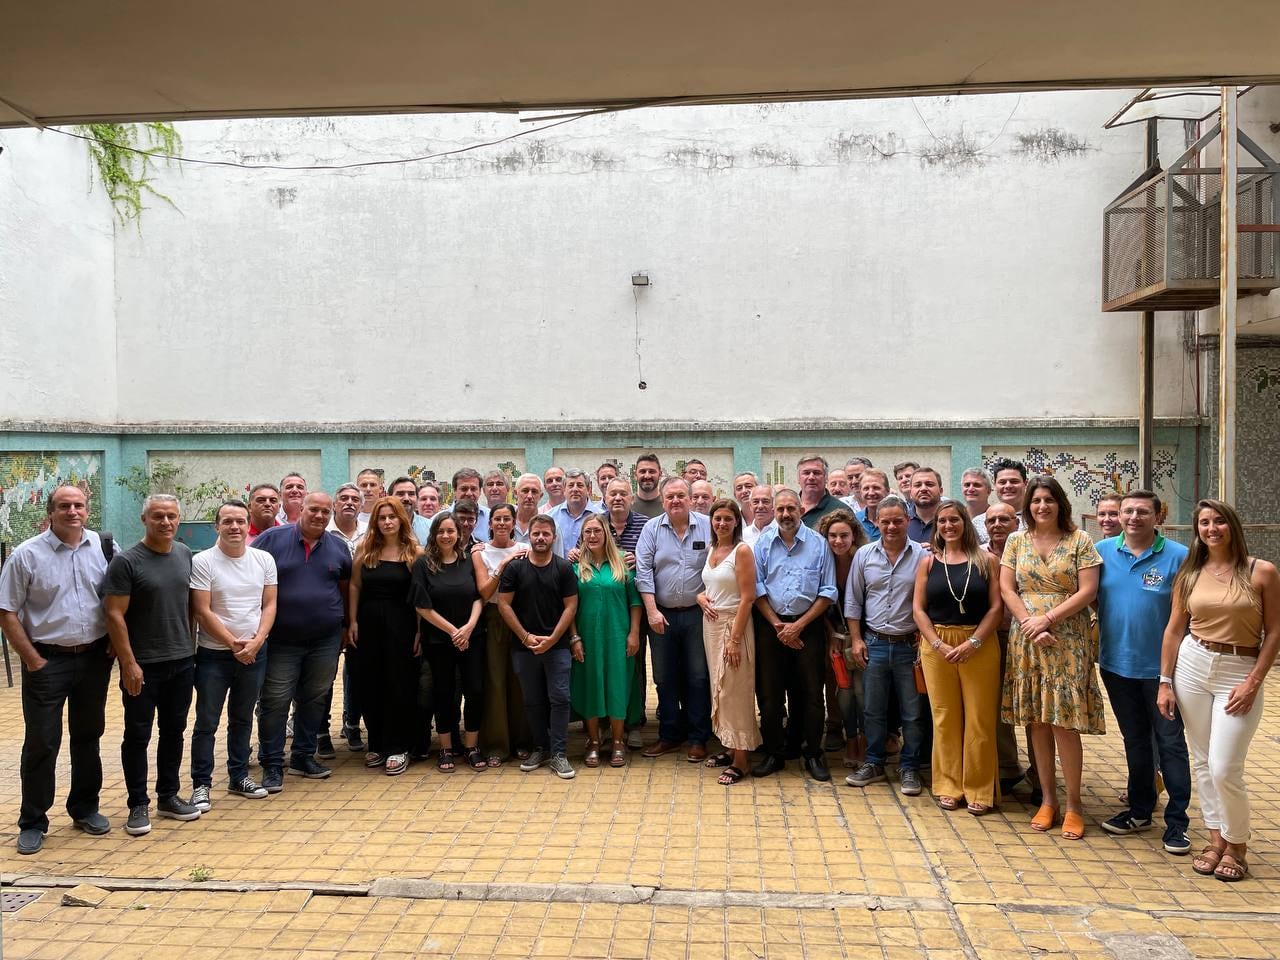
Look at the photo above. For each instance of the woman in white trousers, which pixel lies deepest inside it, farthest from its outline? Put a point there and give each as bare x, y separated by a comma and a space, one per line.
1221, 640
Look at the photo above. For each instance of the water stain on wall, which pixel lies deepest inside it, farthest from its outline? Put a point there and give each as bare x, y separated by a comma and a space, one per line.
1050, 144
283, 196
699, 158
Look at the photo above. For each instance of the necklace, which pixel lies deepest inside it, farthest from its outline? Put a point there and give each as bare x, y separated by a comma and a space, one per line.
964, 592
1220, 575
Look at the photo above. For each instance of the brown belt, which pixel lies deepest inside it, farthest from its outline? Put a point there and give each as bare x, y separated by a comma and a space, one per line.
60, 649
1228, 648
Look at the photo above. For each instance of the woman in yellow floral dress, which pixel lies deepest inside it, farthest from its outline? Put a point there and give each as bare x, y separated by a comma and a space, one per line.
1049, 577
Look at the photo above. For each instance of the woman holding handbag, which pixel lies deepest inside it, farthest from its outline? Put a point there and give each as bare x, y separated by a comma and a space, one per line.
844, 535
957, 609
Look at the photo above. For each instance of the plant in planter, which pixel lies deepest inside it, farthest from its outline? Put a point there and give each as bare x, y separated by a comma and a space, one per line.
199, 501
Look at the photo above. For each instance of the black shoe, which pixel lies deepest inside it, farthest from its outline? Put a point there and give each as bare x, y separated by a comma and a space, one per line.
30, 840
1008, 783
1125, 822
768, 766
834, 742
307, 767
817, 768
272, 779
95, 824
1037, 797
324, 747
355, 743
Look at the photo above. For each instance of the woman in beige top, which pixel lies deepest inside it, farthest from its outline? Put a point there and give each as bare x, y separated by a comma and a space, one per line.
1212, 664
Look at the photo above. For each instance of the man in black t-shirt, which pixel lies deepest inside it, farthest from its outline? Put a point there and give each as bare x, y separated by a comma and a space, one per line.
149, 622
538, 598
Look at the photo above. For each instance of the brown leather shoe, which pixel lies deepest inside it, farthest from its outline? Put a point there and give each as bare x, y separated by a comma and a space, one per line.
659, 748
697, 753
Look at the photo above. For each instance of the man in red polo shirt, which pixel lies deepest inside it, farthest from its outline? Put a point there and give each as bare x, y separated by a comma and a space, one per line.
264, 504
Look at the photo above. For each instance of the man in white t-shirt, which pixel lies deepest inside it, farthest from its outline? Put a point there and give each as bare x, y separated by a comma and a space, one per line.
233, 596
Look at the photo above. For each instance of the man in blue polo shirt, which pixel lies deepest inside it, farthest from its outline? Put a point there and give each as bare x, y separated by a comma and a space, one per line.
311, 615
1134, 598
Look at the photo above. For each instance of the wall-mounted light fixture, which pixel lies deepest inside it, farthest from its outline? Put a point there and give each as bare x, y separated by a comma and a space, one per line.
640, 279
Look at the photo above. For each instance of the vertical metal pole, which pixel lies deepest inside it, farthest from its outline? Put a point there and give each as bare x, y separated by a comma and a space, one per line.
1146, 358
1228, 292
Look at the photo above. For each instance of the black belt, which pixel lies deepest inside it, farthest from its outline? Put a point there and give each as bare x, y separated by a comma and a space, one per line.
692, 606
891, 637
63, 650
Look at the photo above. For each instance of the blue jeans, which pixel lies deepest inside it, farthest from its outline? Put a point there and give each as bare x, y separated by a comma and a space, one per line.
684, 683
222, 679
889, 666
544, 683
1134, 704
295, 672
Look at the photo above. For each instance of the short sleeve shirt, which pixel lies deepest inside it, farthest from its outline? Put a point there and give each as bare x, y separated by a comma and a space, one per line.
539, 593
235, 586
157, 585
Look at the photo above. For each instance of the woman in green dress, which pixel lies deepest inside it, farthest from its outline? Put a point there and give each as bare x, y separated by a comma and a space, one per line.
1048, 578
606, 638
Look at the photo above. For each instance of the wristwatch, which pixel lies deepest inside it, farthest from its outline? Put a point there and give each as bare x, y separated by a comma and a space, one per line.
975, 642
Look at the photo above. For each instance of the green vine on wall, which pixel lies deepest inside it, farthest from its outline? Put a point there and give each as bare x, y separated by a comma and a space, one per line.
124, 155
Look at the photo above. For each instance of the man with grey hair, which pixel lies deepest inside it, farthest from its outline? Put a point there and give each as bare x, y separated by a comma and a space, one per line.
815, 501
569, 515
528, 493
146, 596
878, 610
853, 469
346, 507
759, 515
743, 484
701, 494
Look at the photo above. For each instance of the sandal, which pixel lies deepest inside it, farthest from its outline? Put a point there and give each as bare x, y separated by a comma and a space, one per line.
730, 776
1231, 868
494, 760
1210, 856
444, 762
592, 756
477, 759
397, 763
948, 803
980, 809
719, 760
619, 758
372, 760
1072, 826
1045, 818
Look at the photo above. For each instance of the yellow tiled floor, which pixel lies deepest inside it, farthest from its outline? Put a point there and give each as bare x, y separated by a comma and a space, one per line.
812, 859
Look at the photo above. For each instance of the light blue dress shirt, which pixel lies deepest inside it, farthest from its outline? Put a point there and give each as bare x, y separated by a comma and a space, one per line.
56, 590
669, 566
879, 593
793, 578
568, 527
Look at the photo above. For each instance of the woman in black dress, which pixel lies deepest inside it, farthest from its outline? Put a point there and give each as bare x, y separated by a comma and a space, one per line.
448, 601
384, 632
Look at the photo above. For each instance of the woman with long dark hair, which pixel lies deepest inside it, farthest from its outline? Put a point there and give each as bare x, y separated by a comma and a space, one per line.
448, 601
844, 535
1049, 577
384, 631
1213, 662
958, 610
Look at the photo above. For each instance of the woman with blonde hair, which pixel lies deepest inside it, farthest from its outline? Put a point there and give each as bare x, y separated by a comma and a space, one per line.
448, 601
1048, 578
729, 576
383, 632
606, 637
1222, 639
958, 610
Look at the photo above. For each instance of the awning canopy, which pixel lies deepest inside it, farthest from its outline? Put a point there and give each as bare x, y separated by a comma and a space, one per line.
64, 61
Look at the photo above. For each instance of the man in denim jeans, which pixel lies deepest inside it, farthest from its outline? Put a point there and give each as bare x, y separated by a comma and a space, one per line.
233, 597
146, 599
877, 607
313, 568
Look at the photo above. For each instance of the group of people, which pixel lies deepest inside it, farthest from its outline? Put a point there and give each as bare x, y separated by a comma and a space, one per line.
785, 623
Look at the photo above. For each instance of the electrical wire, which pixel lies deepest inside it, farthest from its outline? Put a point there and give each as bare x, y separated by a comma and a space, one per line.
179, 158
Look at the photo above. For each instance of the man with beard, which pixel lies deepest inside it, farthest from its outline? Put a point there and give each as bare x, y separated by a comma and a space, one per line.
926, 491
648, 475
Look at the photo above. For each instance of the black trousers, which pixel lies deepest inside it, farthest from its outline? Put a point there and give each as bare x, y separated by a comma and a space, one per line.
791, 682
165, 701
79, 682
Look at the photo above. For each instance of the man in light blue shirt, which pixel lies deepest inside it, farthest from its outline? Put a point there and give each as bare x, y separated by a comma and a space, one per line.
795, 584
877, 607
570, 514
670, 555
405, 489
1135, 595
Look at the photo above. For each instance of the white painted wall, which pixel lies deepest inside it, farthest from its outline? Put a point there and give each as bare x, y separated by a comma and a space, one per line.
921, 259
57, 309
